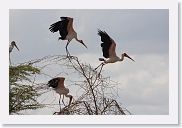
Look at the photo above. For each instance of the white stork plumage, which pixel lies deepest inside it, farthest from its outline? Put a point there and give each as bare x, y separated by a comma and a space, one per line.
58, 85
109, 49
66, 31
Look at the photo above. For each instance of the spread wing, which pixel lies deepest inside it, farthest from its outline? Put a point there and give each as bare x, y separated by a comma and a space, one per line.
60, 26
107, 41
53, 82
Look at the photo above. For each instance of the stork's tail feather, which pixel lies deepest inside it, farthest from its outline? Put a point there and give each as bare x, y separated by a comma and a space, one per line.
101, 59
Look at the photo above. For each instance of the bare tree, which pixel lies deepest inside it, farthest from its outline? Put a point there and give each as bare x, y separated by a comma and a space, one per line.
94, 94
97, 94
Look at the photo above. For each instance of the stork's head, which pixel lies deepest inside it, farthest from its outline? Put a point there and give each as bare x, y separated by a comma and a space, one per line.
126, 55
81, 41
14, 44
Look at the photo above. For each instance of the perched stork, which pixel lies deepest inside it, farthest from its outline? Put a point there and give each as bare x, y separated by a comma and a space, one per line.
58, 85
12, 45
66, 31
109, 49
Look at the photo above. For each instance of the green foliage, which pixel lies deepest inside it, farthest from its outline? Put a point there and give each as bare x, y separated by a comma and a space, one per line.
21, 95
21, 72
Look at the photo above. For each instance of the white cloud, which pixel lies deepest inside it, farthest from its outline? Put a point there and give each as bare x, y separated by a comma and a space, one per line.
144, 82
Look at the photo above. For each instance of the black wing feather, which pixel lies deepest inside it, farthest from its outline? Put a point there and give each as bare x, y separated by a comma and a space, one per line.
53, 82
107, 41
63, 18
55, 27
60, 26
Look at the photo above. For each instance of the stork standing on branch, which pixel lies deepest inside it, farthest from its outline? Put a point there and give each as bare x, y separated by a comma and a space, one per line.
66, 31
11, 46
109, 50
58, 85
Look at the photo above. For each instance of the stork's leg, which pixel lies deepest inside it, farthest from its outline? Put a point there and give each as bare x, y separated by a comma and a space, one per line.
70, 100
9, 59
98, 66
71, 97
60, 102
100, 69
68, 54
63, 101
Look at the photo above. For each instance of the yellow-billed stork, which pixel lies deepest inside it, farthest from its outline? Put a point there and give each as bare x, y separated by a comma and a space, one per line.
58, 85
109, 49
66, 31
12, 45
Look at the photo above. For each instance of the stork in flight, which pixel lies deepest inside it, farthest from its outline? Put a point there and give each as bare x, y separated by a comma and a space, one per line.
66, 31
58, 85
11, 46
109, 50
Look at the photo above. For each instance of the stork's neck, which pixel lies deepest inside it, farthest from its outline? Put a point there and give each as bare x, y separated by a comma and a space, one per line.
61, 85
77, 39
11, 48
122, 57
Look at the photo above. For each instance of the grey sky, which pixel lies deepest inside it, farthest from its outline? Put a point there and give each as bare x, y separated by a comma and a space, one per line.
143, 34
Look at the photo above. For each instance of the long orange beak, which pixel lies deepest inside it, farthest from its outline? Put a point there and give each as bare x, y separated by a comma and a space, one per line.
128, 57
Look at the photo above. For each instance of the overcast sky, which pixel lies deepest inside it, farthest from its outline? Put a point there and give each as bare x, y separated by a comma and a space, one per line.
143, 34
